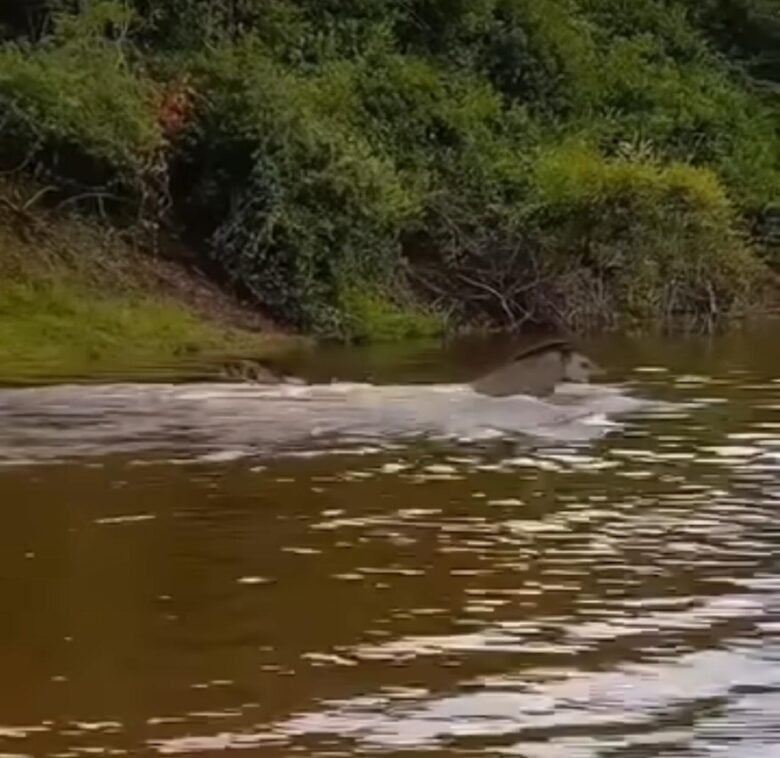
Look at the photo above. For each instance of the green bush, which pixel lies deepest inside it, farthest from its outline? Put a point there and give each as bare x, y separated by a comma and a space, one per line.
656, 240
372, 316
75, 102
304, 200
748, 30
500, 160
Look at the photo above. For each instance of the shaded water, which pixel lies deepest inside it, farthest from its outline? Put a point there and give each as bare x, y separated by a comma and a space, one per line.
422, 590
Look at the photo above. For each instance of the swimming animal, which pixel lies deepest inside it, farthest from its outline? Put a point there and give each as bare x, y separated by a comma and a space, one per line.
249, 371
537, 371
261, 410
255, 372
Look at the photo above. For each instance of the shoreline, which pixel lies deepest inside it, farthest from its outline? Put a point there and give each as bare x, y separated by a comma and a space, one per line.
79, 303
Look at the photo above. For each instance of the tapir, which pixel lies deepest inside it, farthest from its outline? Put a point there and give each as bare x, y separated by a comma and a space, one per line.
537, 371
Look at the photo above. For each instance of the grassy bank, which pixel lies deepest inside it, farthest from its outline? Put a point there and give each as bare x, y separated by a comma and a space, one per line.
76, 302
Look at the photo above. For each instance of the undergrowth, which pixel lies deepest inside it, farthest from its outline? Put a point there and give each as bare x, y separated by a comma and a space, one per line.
497, 161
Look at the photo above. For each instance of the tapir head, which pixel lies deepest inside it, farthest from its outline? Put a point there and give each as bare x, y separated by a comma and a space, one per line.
537, 371
578, 367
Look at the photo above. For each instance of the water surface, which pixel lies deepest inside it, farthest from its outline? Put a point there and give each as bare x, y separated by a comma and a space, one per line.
187, 582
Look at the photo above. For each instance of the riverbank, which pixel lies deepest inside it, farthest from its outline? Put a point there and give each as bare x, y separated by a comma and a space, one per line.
78, 301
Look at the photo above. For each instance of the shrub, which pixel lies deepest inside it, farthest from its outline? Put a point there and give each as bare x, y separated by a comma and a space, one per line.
76, 102
504, 160
303, 199
371, 315
656, 240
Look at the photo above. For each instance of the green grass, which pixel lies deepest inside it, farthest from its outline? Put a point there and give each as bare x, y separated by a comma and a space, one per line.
59, 329
77, 302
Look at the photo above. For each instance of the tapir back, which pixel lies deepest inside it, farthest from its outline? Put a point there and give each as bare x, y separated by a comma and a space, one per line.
536, 374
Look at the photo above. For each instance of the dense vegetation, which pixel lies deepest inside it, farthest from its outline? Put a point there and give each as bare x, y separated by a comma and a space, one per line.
364, 165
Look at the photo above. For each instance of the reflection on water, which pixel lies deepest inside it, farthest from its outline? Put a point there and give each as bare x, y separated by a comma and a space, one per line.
616, 594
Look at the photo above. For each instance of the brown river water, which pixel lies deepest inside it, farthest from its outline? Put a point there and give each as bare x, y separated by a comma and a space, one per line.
393, 567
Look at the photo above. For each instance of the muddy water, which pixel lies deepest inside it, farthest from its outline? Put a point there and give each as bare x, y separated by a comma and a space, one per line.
607, 594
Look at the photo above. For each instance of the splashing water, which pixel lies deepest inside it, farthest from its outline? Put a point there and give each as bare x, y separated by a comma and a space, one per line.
67, 421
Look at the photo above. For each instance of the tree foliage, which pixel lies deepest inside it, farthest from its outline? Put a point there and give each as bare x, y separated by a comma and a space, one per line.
497, 161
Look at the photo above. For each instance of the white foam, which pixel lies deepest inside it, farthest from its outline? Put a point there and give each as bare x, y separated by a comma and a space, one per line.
217, 423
